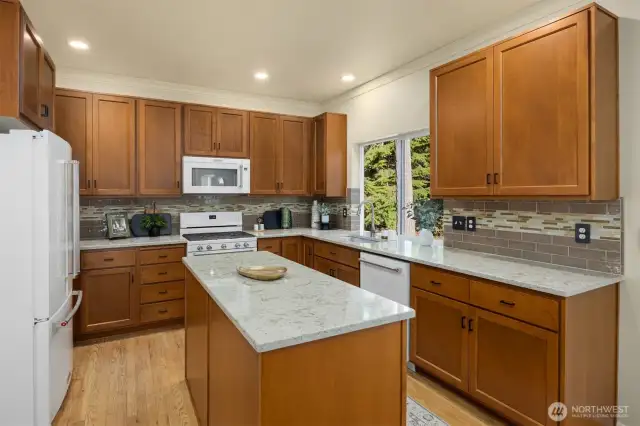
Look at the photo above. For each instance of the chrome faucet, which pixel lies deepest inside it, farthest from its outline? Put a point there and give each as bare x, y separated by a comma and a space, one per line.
373, 216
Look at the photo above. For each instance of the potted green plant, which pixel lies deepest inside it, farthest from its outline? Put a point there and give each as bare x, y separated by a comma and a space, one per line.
324, 211
428, 216
153, 223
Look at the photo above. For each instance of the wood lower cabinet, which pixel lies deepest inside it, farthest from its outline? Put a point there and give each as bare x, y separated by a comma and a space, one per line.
274, 245
508, 349
292, 249
537, 113
441, 337
337, 261
513, 367
129, 289
196, 341
307, 252
110, 299
159, 147
114, 145
330, 155
27, 77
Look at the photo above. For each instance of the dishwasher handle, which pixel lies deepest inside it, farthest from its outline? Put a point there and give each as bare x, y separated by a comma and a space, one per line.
396, 270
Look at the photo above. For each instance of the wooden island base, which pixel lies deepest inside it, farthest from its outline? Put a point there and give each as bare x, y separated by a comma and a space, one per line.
357, 378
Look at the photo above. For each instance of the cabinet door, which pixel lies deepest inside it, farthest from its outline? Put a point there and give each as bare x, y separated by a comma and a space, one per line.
110, 299
200, 130
196, 342
291, 248
159, 130
273, 245
505, 353
47, 88
293, 167
348, 274
325, 266
264, 153
74, 123
30, 57
439, 337
233, 140
319, 155
542, 111
307, 252
462, 126
114, 145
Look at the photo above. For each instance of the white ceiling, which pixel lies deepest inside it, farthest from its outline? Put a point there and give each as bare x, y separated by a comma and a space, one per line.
304, 45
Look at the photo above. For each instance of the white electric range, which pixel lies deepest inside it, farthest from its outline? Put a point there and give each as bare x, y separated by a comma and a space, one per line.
209, 233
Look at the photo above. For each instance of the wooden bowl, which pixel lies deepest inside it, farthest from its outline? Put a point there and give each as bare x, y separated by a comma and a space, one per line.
262, 273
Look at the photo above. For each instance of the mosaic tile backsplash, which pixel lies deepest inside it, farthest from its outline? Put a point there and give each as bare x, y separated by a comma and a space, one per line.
542, 231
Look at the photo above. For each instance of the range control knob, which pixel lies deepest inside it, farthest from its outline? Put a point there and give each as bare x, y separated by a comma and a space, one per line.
209, 247
238, 245
223, 246
246, 245
199, 248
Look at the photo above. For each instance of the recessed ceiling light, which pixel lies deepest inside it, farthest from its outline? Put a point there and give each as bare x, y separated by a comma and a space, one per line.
261, 75
348, 78
78, 44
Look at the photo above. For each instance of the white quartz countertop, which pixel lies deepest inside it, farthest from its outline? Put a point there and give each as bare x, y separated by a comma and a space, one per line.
550, 279
304, 306
104, 244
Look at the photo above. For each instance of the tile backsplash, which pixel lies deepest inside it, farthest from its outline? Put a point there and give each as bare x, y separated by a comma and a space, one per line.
542, 231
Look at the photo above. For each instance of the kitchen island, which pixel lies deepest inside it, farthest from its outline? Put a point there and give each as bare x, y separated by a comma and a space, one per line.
307, 349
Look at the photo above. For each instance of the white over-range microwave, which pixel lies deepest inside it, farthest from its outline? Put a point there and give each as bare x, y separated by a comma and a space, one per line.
210, 175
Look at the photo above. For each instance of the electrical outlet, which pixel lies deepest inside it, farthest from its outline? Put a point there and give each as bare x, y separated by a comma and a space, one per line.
344, 212
459, 223
583, 233
471, 224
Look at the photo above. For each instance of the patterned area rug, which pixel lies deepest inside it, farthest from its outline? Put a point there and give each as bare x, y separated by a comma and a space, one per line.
417, 415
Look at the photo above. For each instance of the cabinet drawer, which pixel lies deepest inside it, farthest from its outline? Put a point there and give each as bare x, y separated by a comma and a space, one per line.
343, 255
108, 259
162, 311
163, 255
435, 281
534, 309
160, 292
274, 245
349, 275
161, 273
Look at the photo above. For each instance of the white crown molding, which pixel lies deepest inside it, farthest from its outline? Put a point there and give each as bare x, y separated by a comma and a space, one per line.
522, 20
139, 87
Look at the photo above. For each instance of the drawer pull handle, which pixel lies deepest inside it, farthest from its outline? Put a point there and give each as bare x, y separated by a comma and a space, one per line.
108, 259
163, 292
164, 256
435, 282
470, 324
162, 311
268, 247
464, 319
333, 253
163, 273
504, 302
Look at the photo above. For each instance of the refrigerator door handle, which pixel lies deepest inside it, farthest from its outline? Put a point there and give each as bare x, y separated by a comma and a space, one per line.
66, 321
75, 223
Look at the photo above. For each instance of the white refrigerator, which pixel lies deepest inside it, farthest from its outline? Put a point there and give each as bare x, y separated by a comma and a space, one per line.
39, 258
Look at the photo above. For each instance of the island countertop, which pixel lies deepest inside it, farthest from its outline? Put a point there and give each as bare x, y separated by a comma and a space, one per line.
304, 306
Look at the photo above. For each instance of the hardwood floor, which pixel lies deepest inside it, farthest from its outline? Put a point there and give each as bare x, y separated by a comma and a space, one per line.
139, 380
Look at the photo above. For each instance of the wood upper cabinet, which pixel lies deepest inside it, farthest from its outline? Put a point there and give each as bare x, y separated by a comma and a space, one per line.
233, 133
293, 155
292, 248
542, 95
440, 337
110, 299
74, 123
27, 77
330, 155
216, 132
552, 97
462, 156
114, 147
513, 367
265, 165
159, 155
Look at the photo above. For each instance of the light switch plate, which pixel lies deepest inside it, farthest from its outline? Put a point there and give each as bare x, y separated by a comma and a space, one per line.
344, 212
459, 223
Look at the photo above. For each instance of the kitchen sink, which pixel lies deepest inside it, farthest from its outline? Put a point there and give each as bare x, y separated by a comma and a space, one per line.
362, 238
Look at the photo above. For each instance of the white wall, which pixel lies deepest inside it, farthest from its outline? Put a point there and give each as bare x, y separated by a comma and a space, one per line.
120, 85
398, 102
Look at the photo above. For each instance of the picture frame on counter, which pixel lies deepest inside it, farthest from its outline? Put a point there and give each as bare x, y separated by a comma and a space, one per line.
118, 225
